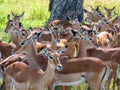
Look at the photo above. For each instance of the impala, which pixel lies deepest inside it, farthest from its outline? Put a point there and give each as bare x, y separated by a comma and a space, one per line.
6, 49
93, 16
19, 70
110, 56
109, 12
33, 70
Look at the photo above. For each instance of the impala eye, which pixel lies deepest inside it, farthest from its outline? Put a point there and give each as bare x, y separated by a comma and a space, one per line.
22, 43
51, 57
35, 33
23, 34
90, 38
11, 24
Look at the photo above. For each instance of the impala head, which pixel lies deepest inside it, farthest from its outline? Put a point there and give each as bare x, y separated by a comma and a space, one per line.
12, 25
34, 35
54, 30
62, 29
53, 57
95, 15
9, 25
109, 11
95, 26
90, 15
25, 33
76, 25
28, 42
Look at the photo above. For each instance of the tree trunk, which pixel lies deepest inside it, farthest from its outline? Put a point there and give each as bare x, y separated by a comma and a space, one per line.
61, 9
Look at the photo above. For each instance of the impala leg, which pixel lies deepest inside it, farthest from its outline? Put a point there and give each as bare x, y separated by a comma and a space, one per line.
108, 82
2, 81
78, 87
8, 83
118, 78
114, 81
93, 82
96, 79
52, 84
65, 87
118, 84
114, 67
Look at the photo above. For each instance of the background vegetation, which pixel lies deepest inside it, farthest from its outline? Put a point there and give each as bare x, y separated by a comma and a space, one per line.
36, 13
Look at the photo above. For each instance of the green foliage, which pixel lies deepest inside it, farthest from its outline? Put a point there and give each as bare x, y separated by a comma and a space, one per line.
36, 13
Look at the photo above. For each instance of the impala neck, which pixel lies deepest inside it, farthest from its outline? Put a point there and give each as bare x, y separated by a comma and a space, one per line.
49, 74
115, 38
53, 43
95, 38
32, 57
84, 44
15, 38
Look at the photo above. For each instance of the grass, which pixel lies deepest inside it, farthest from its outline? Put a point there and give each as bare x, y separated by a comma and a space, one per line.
36, 13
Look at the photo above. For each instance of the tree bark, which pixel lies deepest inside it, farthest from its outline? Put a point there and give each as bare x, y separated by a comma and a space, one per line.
61, 9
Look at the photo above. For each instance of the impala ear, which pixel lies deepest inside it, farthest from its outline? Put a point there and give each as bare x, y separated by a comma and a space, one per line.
62, 50
85, 10
19, 17
8, 17
76, 20
40, 34
22, 43
73, 32
92, 8
30, 29
113, 8
22, 14
105, 8
97, 8
12, 13
44, 51
68, 18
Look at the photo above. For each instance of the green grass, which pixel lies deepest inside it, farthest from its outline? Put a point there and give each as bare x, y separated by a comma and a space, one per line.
36, 13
